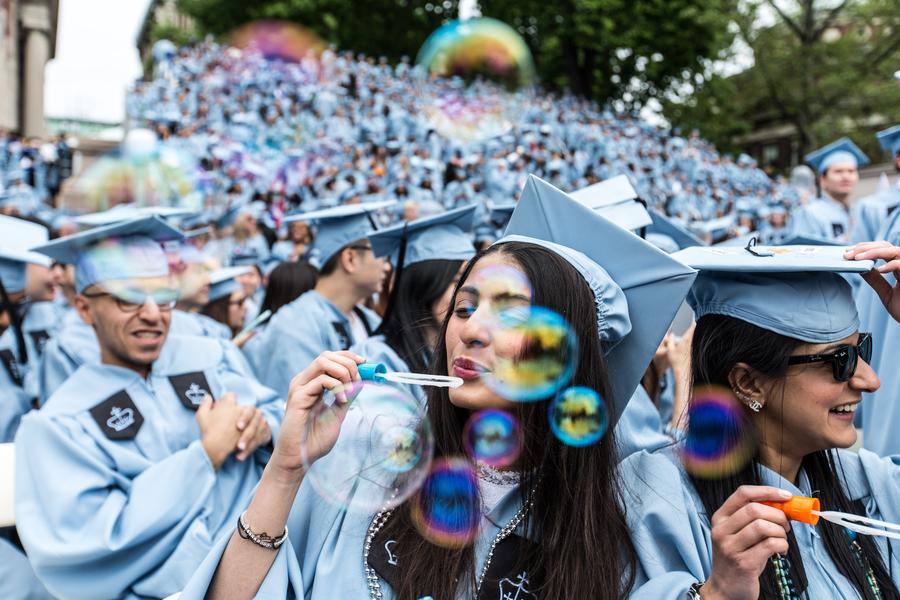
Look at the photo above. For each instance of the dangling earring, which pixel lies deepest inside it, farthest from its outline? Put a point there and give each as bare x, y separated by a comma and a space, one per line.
755, 406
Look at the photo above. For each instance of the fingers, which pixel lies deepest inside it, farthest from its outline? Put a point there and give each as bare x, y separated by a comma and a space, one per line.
878, 283
752, 513
204, 408
892, 266
305, 397
747, 494
247, 442
245, 416
854, 252
340, 365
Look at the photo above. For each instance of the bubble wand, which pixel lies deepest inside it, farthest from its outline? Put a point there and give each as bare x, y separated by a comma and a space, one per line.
378, 373
806, 510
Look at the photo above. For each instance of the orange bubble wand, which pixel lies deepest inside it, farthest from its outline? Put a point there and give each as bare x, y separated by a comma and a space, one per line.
806, 510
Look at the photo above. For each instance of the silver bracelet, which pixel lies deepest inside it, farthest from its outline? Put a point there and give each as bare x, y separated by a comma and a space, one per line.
263, 539
694, 591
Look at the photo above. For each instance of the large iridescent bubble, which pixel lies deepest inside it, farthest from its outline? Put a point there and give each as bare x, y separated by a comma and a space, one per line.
383, 451
578, 416
719, 441
446, 511
493, 437
473, 76
535, 353
278, 40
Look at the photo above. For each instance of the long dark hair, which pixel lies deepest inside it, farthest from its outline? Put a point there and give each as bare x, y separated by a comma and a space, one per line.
719, 343
577, 516
218, 310
405, 324
286, 283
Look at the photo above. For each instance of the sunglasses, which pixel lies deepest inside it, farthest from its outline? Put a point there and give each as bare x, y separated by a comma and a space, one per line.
164, 299
844, 359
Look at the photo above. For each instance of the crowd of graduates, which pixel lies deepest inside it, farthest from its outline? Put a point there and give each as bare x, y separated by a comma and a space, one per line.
159, 363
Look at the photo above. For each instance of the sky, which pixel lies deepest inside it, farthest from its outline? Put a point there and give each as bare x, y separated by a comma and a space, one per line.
96, 59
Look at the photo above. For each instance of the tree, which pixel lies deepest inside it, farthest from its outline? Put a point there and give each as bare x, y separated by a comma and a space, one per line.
823, 67
619, 50
391, 28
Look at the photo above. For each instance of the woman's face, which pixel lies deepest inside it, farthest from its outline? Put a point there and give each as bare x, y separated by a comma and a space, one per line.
471, 348
237, 310
808, 420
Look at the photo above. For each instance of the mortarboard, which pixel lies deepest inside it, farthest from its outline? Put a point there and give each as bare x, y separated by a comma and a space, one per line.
651, 286
890, 140
17, 238
842, 150
339, 226
442, 237
615, 199
222, 281
665, 226
118, 252
129, 212
795, 292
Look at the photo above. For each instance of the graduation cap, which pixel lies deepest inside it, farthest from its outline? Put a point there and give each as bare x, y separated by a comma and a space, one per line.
808, 240
840, 151
663, 225
651, 284
129, 212
118, 252
794, 291
17, 238
890, 140
447, 236
339, 226
617, 200
222, 282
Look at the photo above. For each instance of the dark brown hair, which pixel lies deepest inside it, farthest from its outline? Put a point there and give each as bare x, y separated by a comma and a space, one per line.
578, 517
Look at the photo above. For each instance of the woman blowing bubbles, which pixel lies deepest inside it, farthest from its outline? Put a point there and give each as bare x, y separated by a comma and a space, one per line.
558, 524
786, 344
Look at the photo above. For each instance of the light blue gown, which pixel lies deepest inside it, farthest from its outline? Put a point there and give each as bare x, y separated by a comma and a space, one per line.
870, 215
115, 495
297, 334
75, 344
323, 556
824, 218
17, 579
19, 383
671, 531
881, 409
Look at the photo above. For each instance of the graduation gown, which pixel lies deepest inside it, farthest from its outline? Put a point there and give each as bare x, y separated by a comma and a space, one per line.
115, 495
671, 530
322, 559
76, 344
824, 218
298, 333
19, 381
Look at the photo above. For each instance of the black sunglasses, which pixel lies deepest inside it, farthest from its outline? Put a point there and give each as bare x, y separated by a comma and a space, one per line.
843, 360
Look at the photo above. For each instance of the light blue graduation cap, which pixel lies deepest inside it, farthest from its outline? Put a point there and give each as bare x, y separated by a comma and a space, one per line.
447, 236
794, 291
129, 212
617, 200
500, 213
637, 287
17, 238
840, 151
222, 282
890, 140
808, 240
118, 252
663, 225
339, 226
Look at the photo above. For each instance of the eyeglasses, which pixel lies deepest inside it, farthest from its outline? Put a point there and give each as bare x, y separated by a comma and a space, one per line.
844, 360
164, 304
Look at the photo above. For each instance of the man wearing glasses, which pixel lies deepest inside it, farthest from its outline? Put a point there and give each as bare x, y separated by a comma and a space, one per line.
329, 317
135, 465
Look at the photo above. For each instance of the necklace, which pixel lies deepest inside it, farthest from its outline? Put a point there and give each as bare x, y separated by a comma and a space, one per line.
372, 578
785, 584
496, 476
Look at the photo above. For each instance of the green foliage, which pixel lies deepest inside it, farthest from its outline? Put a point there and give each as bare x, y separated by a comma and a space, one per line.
824, 67
623, 50
391, 28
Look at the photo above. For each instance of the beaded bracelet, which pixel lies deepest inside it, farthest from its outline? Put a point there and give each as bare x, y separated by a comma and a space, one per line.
263, 539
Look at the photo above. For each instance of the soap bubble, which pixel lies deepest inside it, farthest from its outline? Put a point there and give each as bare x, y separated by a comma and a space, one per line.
493, 437
473, 76
278, 40
578, 416
718, 441
383, 451
535, 353
446, 511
